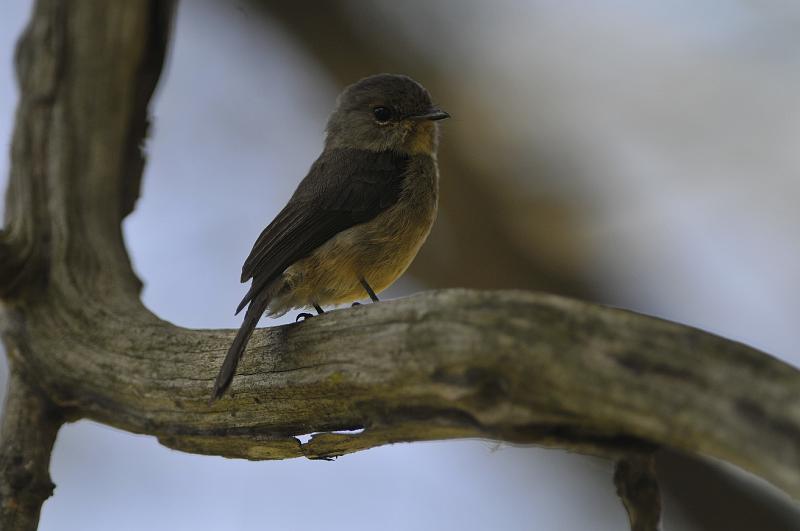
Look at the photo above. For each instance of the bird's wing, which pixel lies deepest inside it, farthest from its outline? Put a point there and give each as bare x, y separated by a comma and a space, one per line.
345, 187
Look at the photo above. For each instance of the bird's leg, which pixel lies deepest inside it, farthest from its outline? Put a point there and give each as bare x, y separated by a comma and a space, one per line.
317, 307
368, 289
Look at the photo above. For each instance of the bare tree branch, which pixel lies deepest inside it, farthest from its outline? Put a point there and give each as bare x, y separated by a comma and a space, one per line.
513, 366
635, 478
29, 428
86, 71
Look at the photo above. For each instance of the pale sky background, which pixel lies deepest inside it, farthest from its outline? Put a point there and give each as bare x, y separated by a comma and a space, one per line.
682, 119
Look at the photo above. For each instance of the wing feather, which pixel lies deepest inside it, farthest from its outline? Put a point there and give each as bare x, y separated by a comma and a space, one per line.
343, 188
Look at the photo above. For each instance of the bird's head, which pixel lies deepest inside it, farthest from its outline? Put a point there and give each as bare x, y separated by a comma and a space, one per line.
385, 112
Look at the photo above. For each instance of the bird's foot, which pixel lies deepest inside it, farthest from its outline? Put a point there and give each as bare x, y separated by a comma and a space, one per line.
355, 304
303, 316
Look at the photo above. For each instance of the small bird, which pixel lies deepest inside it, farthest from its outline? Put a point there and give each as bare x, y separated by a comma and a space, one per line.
357, 220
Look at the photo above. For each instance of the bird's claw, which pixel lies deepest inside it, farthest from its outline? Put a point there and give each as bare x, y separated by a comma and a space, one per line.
355, 304
303, 316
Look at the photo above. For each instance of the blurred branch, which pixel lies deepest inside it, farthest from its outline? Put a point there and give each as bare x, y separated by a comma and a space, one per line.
637, 486
714, 496
481, 227
511, 366
19, 266
9, 271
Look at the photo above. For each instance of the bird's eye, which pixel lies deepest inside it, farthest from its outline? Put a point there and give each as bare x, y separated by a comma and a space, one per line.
382, 114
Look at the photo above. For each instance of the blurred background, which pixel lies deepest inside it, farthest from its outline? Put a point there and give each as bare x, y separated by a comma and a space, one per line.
639, 154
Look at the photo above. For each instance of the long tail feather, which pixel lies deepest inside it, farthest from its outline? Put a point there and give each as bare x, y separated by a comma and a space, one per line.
257, 307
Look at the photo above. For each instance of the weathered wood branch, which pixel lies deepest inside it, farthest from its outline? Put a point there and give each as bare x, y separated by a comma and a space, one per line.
29, 427
86, 71
513, 366
637, 486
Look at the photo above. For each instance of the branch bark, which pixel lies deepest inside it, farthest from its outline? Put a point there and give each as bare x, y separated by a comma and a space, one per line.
514, 366
86, 71
637, 486
29, 428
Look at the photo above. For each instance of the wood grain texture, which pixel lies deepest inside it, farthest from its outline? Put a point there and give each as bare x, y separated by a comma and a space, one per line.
86, 71
28, 431
512, 366
508, 365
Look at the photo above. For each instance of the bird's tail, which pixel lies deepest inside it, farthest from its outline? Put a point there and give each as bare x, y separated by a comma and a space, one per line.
257, 307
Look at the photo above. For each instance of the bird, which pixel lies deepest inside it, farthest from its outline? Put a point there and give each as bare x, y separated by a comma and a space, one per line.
358, 218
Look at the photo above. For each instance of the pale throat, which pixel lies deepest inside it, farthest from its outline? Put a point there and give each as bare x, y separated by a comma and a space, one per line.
421, 139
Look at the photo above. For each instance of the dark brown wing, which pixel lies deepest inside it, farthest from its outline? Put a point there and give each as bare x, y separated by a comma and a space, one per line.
344, 188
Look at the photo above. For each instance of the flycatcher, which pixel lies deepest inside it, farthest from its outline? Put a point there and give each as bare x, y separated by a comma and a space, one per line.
357, 220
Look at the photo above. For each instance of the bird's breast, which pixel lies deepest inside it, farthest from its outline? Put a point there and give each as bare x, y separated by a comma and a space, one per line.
387, 244
379, 250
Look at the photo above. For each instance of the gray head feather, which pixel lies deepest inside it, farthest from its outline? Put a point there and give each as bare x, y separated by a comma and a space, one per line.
356, 123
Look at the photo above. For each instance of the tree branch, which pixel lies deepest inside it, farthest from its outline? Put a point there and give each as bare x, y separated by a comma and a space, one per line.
512, 366
635, 478
29, 428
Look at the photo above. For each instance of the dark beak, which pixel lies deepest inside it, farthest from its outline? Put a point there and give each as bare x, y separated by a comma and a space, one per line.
432, 115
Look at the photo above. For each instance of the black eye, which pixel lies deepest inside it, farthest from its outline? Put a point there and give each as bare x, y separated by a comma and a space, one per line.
382, 114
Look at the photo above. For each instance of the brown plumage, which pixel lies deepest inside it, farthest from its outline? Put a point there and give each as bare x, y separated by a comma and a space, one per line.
359, 216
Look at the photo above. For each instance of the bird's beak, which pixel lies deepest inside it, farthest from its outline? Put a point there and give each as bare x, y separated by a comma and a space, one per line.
432, 115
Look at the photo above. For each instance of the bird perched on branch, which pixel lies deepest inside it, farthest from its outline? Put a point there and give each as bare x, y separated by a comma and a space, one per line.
357, 220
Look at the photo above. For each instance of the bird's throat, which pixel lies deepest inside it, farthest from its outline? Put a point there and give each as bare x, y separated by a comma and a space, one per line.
422, 139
